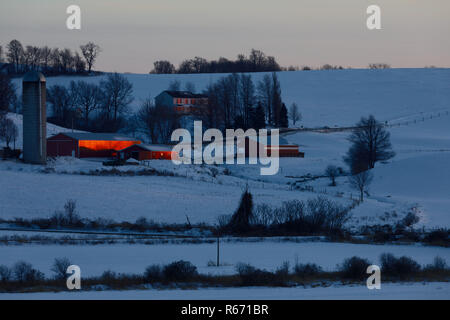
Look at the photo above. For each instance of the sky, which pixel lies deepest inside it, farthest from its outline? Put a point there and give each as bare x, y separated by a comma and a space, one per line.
135, 33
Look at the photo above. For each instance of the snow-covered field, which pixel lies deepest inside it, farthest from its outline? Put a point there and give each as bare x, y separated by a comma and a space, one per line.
388, 291
418, 177
125, 258
415, 101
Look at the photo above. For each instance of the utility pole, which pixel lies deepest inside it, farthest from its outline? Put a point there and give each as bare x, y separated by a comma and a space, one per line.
218, 251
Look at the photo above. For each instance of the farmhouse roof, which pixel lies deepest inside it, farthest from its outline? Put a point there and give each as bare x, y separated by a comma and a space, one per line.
184, 94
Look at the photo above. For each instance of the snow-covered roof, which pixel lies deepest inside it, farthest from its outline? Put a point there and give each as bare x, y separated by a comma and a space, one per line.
98, 136
33, 76
184, 94
281, 142
151, 147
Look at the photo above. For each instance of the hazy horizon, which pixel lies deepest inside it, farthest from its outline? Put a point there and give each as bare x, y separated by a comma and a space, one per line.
297, 32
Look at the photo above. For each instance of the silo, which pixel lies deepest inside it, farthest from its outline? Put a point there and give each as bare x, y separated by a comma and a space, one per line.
34, 118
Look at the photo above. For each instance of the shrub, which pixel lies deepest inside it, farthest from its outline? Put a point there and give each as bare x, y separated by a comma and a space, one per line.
332, 172
354, 268
5, 274
109, 277
307, 269
438, 235
318, 215
223, 220
25, 273
263, 215
153, 272
410, 219
438, 265
398, 267
60, 266
282, 273
252, 276
179, 271
68, 218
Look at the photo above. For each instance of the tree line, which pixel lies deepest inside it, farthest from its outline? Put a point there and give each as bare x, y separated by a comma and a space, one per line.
20, 59
234, 101
257, 61
89, 106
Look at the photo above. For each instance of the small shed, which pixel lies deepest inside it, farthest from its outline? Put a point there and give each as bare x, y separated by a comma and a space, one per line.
88, 145
147, 152
285, 149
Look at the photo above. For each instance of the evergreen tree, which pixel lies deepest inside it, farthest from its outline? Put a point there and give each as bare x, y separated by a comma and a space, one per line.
258, 117
240, 221
284, 122
276, 100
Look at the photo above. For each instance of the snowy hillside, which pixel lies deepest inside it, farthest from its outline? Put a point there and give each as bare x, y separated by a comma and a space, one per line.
51, 129
416, 101
325, 98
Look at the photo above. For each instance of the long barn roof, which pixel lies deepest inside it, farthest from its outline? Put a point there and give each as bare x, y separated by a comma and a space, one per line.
150, 147
98, 136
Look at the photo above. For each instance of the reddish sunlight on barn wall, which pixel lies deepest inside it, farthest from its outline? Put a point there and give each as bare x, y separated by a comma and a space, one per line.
102, 148
98, 145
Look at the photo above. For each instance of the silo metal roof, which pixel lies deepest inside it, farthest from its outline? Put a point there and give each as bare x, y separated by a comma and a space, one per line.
33, 76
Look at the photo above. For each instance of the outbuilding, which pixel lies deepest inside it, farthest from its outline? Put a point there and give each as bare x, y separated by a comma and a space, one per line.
285, 149
147, 152
88, 145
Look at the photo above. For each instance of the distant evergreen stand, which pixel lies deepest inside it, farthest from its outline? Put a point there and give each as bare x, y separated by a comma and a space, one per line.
240, 221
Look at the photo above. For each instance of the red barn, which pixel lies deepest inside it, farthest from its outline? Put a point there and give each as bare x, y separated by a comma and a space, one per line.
147, 152
88, 145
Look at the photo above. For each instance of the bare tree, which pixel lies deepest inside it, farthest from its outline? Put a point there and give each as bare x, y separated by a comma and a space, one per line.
167, 120
247, 96
174, 85
379, 66
8, 131
7, 93
66, 60
88, 97
32, 56
78, 64
294, 113
55, 60
90, 53
332, 172
189, 86
63, 102
163, 67
370, 143
361, 182
265, 95
277, 102
15, 54
118, 95
45, 54
60, 266
148, 119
